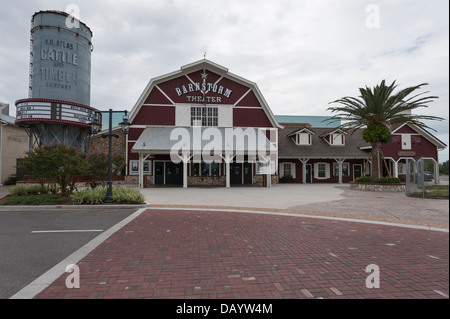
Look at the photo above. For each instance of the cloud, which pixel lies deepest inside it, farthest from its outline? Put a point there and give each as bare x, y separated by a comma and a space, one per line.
302, 54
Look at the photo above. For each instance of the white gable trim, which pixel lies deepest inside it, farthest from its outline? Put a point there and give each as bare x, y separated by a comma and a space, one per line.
196, 66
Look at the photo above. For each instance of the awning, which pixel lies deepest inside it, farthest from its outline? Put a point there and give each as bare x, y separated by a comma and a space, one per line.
164, 140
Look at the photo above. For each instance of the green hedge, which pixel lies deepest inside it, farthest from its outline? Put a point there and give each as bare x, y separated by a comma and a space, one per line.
382, 180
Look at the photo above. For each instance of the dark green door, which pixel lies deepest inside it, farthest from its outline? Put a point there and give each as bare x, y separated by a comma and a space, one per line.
174, 173
236, 173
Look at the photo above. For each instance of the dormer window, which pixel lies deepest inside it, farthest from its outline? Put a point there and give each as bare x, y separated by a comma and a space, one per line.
335, 138
302, 137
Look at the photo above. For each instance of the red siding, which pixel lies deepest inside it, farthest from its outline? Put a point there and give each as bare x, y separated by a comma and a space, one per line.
155, 115
135, 133
250, 118
419, 145
156, 97
406, 129
197, 76
250, 100
170, 87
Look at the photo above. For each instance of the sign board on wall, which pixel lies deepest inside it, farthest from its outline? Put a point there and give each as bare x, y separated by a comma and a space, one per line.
58, 111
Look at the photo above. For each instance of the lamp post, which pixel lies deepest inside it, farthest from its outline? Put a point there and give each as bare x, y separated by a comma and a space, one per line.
125, 125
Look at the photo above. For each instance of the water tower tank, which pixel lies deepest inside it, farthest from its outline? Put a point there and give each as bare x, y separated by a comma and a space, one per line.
58, 106
61, 58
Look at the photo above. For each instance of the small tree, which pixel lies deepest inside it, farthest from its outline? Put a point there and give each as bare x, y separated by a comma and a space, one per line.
56, 165
97, 167
444, 168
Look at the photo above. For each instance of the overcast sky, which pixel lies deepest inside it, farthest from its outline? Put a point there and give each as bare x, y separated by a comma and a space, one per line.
302, 54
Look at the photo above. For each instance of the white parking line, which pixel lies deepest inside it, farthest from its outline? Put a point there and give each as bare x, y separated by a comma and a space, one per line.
67, 231
39, 284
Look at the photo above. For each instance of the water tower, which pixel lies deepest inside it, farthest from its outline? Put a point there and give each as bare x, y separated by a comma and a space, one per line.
57, 109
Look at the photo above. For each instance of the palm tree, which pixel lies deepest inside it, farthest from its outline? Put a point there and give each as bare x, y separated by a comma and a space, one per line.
376, 110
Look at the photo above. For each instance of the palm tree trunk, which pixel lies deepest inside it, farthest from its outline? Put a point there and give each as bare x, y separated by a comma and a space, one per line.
377, 170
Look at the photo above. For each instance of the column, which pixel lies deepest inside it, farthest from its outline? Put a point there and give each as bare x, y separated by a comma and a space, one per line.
141, 170
269, 174
303, 161
436, 173
395, 169
228, 158
185, 159
340, 161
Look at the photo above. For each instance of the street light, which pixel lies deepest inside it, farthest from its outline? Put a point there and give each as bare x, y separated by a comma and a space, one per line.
125, 125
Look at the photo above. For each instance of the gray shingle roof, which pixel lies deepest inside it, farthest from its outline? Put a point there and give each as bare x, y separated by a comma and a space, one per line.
320, 148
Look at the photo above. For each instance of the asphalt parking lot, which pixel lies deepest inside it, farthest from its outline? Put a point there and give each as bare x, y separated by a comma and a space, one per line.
34, 240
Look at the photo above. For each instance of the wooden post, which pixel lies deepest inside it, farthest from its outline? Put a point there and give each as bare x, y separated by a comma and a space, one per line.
366, 164
387, 168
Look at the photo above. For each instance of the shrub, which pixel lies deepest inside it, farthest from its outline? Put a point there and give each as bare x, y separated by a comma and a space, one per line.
47, 199
95, 196
22, 190
389, 180
12, 180
128, 195
56, 165
366, 179
382, 180
91, 196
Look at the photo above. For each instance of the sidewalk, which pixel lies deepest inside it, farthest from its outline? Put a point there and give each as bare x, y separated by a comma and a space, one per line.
313, 199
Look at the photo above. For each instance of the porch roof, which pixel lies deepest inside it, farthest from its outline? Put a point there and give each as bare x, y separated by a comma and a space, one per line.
163, 140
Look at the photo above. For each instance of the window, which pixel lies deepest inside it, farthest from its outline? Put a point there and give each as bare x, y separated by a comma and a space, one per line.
204, 116
287, 170
406, 142
303, 139
402, 168
345, 169
337, 139
205, 169
134, 167
322, 170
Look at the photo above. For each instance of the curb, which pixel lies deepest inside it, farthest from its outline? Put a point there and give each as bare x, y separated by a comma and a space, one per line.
68, 207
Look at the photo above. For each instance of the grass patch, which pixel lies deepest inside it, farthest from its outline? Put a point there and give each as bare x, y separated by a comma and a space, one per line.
433, 192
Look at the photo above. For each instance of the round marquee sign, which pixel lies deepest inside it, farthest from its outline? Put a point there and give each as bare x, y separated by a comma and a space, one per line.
40, 110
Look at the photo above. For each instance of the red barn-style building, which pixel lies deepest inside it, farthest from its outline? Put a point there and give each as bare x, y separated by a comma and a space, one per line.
186, 116
199, 96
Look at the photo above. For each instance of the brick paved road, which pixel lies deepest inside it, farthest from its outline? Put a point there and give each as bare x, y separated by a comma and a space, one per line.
195, 254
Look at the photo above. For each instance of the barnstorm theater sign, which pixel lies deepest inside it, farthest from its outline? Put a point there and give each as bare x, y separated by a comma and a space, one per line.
204, 88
